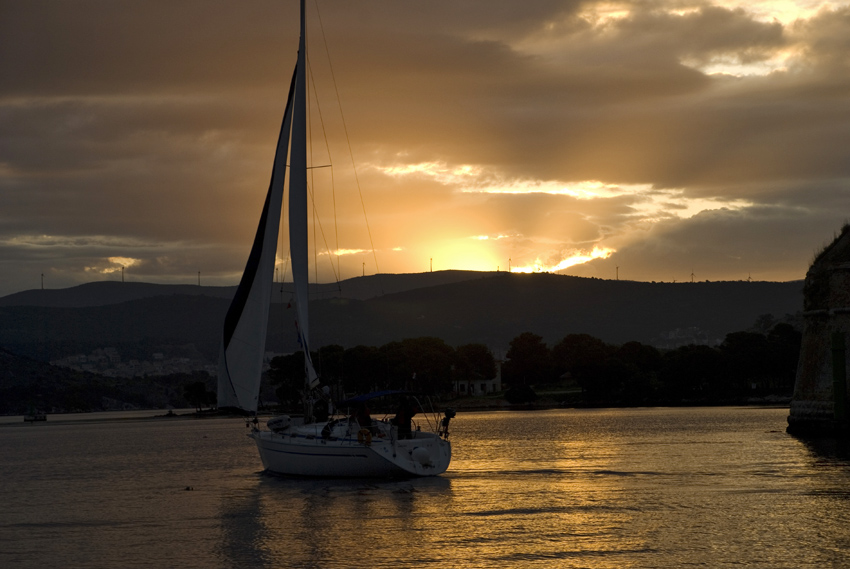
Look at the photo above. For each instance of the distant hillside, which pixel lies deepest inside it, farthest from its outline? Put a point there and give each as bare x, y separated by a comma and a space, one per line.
137, 328
27, 384
459, 307
107, 292
496, 307
104, 293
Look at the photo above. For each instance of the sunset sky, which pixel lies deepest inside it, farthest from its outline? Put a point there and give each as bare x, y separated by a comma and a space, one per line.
653, 140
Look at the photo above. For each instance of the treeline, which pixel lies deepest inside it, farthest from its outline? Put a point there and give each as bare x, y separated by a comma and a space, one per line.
745, 364
580, 369
427, 365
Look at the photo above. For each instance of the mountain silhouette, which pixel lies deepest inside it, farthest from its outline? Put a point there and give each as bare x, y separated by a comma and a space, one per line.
458, 306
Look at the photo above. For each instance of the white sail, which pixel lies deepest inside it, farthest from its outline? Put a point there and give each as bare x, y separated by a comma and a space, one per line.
340, 445
298, 207
244, 339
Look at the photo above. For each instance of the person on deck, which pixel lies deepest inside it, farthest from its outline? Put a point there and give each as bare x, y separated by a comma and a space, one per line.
403, 418
363, 417
323, 407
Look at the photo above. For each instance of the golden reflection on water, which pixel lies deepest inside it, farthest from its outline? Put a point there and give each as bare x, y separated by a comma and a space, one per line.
628, 488
552, 491
568, 488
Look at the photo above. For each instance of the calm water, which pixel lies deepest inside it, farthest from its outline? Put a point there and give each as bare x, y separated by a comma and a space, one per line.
566, 488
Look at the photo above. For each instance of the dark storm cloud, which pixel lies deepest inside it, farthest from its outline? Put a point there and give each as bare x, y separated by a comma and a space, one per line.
719, 245
611, 102
96, 47
704, 33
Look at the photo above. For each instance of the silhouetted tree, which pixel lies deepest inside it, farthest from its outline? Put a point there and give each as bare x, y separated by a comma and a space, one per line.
197, 395
764, 323
329, 362
784, 343
691, 372
365, 369
642, 364
592, 363
430, 359
645, 358
578, 354
746, 355
287, 373
529, 361
396, 374
473, 363
520, 394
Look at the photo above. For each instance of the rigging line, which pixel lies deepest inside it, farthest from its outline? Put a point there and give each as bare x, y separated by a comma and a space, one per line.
280, 245
280, 234
317, 167
315, 242
347, 139
309, 108
318, 222
328, 150
284, 215
316, 218
336, 231
285, 271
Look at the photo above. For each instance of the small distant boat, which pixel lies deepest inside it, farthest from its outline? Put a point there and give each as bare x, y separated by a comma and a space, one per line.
346, 445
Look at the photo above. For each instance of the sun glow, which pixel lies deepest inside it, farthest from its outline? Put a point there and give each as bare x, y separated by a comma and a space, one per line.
578, 258
113, 265
344, 252
583, 190
438, 171
785, 11
490, 238
473, 254
469, 178
584, 203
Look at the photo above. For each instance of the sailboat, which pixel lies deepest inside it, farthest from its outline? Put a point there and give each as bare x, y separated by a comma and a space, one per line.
348, 443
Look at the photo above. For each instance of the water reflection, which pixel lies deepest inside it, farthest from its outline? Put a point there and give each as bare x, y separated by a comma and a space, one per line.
243, 530
621, 488
325, 523
831, 449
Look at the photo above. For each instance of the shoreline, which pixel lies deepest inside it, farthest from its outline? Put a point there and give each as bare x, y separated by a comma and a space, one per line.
460, 405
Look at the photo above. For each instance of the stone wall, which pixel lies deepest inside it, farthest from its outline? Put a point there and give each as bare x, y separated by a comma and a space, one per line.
814, 409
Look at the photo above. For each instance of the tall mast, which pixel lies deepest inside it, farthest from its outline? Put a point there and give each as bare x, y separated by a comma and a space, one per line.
298, 203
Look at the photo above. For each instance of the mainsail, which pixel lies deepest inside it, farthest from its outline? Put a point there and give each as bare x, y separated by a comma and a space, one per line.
240, 364
244, 340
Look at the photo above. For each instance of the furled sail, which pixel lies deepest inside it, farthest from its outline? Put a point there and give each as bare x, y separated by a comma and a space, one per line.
298, 210
244, 339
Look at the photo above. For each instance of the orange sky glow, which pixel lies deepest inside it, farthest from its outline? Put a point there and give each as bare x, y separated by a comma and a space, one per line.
610, 139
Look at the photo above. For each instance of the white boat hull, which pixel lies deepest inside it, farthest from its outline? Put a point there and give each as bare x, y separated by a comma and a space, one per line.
304, 452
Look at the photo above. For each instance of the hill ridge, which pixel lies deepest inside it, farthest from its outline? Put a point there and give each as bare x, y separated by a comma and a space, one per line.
101, 293
460, 308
